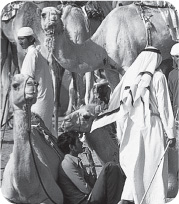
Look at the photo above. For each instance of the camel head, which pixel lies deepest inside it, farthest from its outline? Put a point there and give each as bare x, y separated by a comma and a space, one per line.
51, 20
81, 119
23, 90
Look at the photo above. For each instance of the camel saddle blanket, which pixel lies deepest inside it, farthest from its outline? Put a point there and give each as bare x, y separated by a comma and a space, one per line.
168, 12
171, 19
10, 10
39, 125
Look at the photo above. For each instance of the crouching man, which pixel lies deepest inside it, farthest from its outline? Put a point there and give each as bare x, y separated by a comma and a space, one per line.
80, 187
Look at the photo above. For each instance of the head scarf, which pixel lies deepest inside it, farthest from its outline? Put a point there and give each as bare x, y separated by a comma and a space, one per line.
175, 50
25, 31
132, 93
175, 53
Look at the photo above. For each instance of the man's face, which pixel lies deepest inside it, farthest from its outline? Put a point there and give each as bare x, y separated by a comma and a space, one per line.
175, 61
24, 42
78, 146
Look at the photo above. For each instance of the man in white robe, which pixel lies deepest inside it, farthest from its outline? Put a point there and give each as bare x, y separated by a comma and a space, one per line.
141, 107
36, 66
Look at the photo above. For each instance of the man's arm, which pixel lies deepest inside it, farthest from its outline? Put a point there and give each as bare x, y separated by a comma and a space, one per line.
29, 64
170, 88
92, 176
89, 157
76, 175
165, 109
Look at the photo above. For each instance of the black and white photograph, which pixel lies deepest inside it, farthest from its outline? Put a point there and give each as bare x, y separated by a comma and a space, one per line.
89, 102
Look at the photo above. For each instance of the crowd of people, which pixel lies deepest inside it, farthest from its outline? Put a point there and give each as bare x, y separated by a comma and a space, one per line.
148, 112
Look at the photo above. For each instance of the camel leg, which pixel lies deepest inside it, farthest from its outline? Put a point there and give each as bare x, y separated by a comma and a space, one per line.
80, 90
90, 79
6, 88
71, 96
75, 92
89, 95
57, 75
15, 57
4, 49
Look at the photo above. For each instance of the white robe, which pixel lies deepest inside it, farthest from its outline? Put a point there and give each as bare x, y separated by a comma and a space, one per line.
142, 147
36, 66
141, 107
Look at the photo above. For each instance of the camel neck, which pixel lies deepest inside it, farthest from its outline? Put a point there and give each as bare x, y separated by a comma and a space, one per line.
21, 120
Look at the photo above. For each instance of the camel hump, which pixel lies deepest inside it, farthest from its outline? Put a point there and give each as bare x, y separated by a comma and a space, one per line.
154, 4
10, 10
166, 10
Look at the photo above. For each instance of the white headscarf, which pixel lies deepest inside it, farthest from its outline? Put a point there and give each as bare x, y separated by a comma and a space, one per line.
175, 49
175, 53
132, 91
25, 31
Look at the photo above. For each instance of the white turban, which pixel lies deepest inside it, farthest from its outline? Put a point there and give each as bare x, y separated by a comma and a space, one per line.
175, 49
25, 31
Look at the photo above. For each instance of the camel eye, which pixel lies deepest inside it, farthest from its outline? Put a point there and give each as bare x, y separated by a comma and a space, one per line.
87, 116
15, 85
30, 83
43, 15
36, 83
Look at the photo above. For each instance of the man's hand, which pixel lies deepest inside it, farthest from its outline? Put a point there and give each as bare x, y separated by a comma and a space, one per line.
172, 142
91, 163
88, 154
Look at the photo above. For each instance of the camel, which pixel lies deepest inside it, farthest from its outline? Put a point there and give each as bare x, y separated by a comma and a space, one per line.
115, 44
31, 172
80, 26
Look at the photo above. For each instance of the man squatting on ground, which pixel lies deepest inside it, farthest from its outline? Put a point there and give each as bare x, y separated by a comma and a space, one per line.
80, 187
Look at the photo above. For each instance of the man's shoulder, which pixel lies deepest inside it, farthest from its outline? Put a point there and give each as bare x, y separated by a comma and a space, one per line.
174, 72
158, 74
68, 162
33, 51
158, 77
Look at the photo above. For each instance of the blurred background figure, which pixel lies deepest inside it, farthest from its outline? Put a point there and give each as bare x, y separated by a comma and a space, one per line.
173, 79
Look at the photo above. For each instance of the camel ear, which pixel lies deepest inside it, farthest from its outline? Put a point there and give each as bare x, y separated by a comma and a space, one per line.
38, 11
60, 9
87, 115
97, 109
